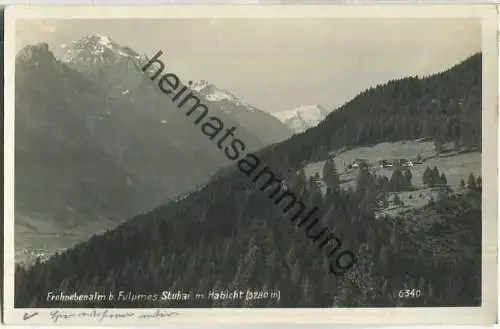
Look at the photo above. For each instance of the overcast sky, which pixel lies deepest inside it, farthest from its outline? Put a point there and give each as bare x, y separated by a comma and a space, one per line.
280, 64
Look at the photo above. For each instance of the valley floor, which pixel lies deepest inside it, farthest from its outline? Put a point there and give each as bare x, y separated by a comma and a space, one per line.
38, 237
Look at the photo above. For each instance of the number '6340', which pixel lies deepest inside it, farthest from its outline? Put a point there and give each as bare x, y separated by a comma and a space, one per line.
410, 293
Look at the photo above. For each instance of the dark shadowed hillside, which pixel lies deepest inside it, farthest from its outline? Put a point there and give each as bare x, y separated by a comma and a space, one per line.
229, 235
97, 143
60, 169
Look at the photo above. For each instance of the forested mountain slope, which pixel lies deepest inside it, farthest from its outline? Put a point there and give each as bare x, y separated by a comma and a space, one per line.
229, 235
444, 106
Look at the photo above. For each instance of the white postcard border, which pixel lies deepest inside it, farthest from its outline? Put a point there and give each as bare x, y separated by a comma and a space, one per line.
460, 315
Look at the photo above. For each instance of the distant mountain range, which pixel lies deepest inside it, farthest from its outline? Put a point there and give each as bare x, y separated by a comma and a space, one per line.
95, 138
302, 118
262, 124
114, 68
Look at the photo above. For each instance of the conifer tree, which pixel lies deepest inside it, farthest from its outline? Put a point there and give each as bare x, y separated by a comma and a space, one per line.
471, 183
397, 200
363, 179
435, 176
427, 177
330, 174
396, 179
302, 182
408, 177
315, 194
369, 200
442, 179
418, 158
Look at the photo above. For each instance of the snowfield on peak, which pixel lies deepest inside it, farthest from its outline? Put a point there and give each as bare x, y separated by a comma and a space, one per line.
96, 46
104, 40
199, 85
302, 118
213, 94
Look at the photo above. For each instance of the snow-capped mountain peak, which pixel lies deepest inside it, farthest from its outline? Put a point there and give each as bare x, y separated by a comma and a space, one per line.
302, 118
199, 85
214, 94
96, 47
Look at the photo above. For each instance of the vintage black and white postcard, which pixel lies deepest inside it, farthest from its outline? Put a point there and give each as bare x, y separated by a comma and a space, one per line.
249, 163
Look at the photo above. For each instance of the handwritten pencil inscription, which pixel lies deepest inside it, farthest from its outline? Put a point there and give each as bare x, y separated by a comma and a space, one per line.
28, 316
101, 315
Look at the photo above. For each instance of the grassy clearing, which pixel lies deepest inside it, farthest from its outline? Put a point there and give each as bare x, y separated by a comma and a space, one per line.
454, 165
